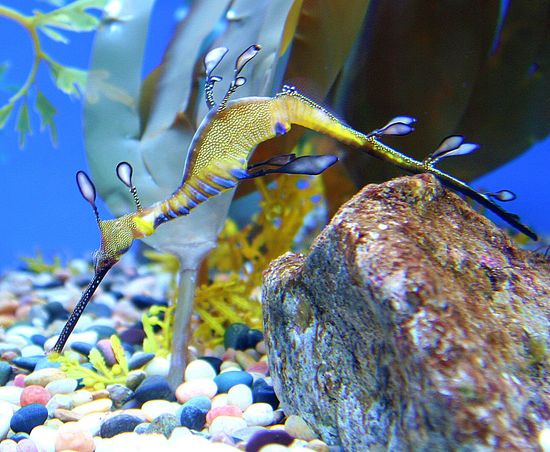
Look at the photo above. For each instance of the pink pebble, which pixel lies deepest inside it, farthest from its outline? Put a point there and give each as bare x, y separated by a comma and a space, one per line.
106, 349
201, 386
226, 410
34, 394
73, 436
260, 367
19, 380
26, 445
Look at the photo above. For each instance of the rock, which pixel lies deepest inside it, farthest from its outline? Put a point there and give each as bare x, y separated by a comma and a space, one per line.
44, 363
158, 366
62, 401
154, 408
190, 389
214, 361
11, 394
139, 360
192, 417
32, 350
199, 369
95, 406
225, 410
135, 378
203, 403
81, 397
164, 424
6, 412
104, 346
27, 362
82, 347
5, 372
236, 336
297, 427
34, 394
72, 436
118, 424
240, 395
102, 331
28, 417
263, 437
19, 380
62, 386
145, 302
44, 376
39, 339
92, 422
259, 414
227, 380
132, 335
263, 392
44, 437
416, 321
155, 387
26, 445
119, 394
226, 425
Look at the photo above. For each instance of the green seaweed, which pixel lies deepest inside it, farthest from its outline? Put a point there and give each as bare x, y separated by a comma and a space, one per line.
103, 375
37, 264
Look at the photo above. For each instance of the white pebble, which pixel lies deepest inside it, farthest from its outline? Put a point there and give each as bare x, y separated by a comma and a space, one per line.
544, 439
92, 422
240, 395
8, 445
226, 424
199, 369
259, 414
219, 400
190, 389
82, 396
158, 366
59, 401
95, 406
63, 386
10, 394
44, 438
32, 350
154, 408
131, 441
6, 412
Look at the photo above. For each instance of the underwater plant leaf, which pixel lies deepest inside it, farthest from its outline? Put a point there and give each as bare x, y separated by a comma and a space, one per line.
96, 358
46, 112
72, 17
23, 125
119, 353
5, 113
70, 80
54, 35
407, 61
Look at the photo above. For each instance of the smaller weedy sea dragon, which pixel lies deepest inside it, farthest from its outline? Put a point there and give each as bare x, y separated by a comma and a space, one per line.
218, 160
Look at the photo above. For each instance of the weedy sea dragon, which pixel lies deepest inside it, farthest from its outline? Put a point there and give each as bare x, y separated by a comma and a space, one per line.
218, 160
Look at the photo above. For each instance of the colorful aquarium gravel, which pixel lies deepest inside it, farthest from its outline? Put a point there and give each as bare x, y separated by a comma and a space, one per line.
109, 390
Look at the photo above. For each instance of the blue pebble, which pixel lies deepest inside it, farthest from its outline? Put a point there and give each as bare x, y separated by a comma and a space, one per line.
19, 436
133, 335
44, 363
236, 336
145, 301
264, 437
118, 424
103, 331
227, 380
82, 347
28, 417
139, 360
5, 372
38, 339
153, 388
264, 393
99, 310
27, 362
216, 363
192, 417
203, 403
254, 336
56, 311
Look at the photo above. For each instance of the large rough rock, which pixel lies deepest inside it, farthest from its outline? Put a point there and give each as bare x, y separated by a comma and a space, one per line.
413, 324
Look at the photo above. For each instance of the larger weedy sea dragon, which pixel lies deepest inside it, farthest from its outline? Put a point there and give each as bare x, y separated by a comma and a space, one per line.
218, 160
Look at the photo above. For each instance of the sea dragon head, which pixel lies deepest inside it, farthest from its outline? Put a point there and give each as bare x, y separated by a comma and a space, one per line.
117, 236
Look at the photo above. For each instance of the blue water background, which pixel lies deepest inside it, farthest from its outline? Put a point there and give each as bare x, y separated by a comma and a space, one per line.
41, 208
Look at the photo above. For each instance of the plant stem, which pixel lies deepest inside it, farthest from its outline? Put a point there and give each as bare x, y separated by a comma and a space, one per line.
181, 327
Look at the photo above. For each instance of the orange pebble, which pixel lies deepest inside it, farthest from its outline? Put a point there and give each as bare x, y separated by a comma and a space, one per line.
34, 394
226, 410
